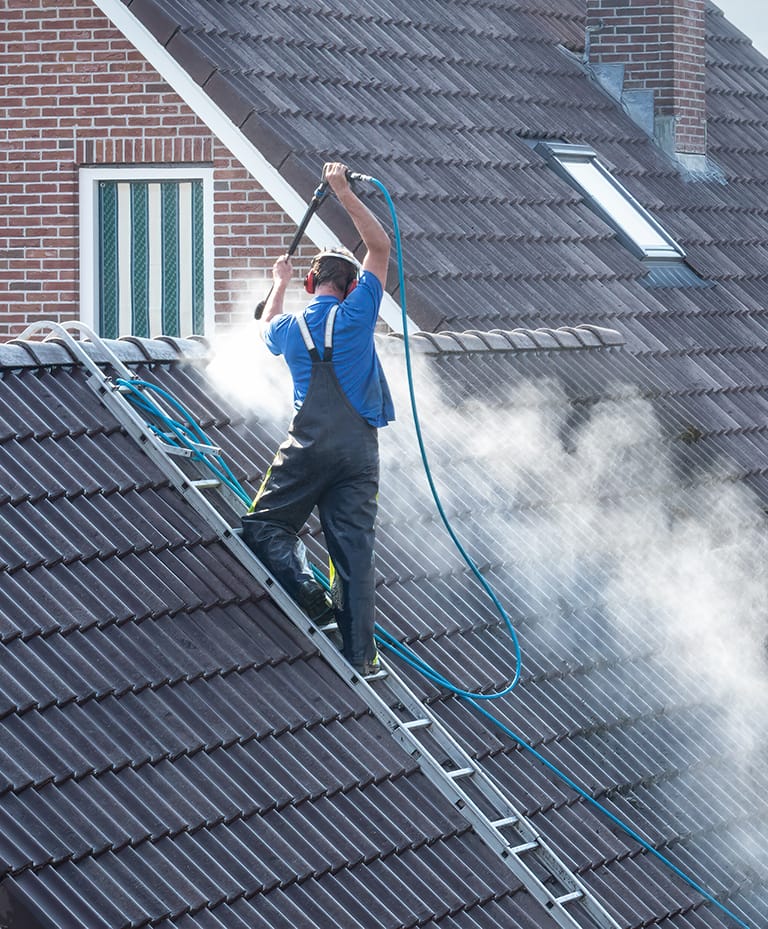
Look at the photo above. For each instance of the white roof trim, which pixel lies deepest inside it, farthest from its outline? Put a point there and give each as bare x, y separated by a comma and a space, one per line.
231, 136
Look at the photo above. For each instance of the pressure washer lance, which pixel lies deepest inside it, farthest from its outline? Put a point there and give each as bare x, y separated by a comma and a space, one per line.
314, 204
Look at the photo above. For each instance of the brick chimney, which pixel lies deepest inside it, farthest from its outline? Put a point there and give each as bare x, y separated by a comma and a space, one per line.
650, 55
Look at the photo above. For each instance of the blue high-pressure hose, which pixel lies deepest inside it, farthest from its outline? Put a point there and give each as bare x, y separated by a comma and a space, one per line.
385, 639
405, 654
187, 433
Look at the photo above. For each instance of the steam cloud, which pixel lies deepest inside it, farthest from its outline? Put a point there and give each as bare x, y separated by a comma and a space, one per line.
245, 372
597, 509
595, 504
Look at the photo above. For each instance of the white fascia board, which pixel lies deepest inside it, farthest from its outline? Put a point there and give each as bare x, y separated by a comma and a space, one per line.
231, 137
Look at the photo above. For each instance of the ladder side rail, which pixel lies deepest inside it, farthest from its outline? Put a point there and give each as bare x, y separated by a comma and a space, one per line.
63, 332
458, 755
494, 794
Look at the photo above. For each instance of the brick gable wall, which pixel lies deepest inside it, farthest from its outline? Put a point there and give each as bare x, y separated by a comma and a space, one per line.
76, 93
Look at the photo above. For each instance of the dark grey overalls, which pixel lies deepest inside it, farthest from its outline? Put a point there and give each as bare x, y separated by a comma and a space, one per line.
330, 459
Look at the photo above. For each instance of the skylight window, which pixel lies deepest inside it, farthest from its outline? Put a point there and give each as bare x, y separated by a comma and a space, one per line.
579, 165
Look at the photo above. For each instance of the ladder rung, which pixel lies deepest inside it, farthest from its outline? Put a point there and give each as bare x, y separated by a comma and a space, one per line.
417, 723
507, 821
205, 449
210, 483
329, 627
376, 676
525, 847
569, 898
460, 772
187, 451
178, 450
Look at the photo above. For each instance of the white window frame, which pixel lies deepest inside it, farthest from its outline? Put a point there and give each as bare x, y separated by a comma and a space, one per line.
612, 201
89, 179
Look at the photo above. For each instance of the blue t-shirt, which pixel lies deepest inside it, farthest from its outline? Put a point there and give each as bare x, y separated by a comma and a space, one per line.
355, 360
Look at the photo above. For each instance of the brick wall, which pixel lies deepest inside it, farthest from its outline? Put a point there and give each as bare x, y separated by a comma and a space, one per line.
662, 46
76, 93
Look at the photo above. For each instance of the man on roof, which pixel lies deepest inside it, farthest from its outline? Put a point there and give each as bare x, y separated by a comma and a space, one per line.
330, 458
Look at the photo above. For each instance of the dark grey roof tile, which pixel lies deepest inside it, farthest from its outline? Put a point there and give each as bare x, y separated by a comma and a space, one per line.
30, 839
49, 467
28, 680
66, 830
146, 809
126, 741
157, 869
213, 881
308, 902
21, 610
469, 728
40, 747
533, 789
106, 605
229, 92
224, 917
248, 765
18, 766
161, 24
60, 899
136, 899
274, 861
200, 642
584, 836
190, 56
622, 902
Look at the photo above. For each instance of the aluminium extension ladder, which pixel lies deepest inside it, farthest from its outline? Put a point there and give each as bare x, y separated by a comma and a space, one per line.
511, 837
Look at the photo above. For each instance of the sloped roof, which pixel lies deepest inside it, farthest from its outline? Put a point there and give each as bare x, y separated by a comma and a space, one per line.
441, 102
172, 748
175, 753
438, 101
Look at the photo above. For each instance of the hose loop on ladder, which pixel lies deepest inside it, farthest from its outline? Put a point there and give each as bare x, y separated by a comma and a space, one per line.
184, 433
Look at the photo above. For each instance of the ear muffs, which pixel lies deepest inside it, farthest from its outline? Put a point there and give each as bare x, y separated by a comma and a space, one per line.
310, 283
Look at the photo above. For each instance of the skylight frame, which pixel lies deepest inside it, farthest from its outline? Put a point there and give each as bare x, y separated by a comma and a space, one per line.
635, 227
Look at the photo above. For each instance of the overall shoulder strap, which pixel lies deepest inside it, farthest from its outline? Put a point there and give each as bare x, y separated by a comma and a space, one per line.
329, 323
305, 334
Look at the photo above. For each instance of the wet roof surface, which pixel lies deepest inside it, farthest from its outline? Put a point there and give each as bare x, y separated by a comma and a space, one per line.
175, 753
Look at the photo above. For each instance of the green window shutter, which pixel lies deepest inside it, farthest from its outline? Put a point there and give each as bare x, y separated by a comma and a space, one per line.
169, 199
139, 256
108, 284
151, 258
198, 261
